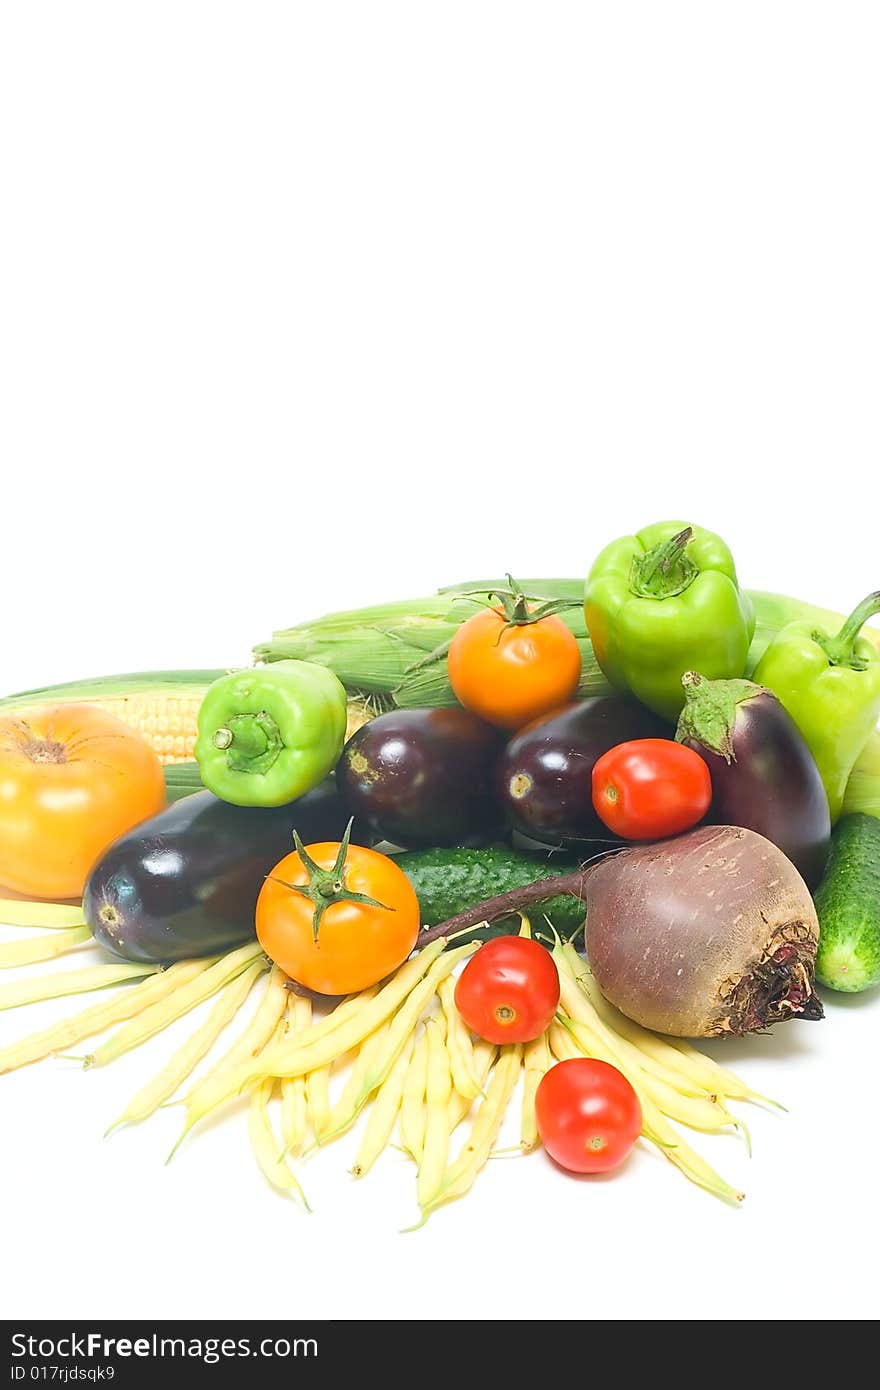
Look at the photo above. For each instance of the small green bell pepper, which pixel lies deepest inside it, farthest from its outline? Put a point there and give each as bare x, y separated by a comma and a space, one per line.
267, 736
830, 686
663, 602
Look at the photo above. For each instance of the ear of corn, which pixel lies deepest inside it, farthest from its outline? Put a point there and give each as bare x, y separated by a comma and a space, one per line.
396, 652
162, 706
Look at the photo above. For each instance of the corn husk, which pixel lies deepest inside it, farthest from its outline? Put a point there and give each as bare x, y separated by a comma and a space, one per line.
395, 653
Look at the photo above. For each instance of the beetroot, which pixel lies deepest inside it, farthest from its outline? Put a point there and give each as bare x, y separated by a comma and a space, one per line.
710, 934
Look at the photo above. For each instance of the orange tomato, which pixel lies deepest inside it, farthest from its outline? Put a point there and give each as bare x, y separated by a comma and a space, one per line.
356, 944
72, 779
510, 675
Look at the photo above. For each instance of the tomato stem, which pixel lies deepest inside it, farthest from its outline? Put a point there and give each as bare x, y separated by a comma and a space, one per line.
326, 886
520, 609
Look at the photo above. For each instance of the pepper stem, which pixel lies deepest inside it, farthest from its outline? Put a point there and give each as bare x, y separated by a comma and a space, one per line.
326, 886
666, 570
840, 648
252, 742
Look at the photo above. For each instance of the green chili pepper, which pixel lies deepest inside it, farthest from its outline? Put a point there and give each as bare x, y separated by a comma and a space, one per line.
830, 686
268, 736
663, 602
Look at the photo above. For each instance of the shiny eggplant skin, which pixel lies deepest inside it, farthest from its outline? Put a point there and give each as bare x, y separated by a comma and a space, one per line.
771, 784
185, 883
423, 778
545, 774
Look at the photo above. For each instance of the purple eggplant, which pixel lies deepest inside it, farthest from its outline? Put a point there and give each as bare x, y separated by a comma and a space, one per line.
423, 777
545, 775
764, 776
185, 883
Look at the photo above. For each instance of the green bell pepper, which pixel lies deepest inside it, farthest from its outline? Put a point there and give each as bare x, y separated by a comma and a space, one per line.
267, 736
663, 602
830, 686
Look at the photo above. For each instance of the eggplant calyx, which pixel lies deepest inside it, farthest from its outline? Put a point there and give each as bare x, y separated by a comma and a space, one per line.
780, 986
326, 886
709, 713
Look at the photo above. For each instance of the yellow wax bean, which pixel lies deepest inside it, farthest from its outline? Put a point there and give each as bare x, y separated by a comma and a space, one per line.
412, 1105
562, 1044
459, 1105
698, 1073
438, 1090
187, 1057
331, 1022
713, 1074
671, 1144
698, 1112
151, 1020
383, 1112
403, 996
299, 1059
461, 1175
458, 1041
536, 1061
207, 976
599, 1041
58, 986
317, 1099
19, 912
259, 1032
407, 1016
294, 1114
64, 1035
47, 947
266, 1147
353, 1097
677, 1101
655, 1126
294, 1101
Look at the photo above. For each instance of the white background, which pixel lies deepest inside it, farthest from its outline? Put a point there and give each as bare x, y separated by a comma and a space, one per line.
304, 306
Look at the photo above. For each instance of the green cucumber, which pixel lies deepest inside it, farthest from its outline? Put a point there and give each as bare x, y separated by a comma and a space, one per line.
848, 905
447, 881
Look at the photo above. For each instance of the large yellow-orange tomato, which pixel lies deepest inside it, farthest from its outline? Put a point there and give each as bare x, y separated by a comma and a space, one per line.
356, 944
509, 675
72, 779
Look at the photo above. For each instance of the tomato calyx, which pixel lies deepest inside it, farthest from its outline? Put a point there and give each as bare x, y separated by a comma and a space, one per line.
326, 886
519, 609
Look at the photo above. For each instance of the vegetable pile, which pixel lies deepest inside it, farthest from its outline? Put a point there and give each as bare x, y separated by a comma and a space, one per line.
524, 837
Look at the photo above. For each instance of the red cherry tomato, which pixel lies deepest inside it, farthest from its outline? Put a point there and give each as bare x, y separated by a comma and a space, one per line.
509, 991
650, 788
588, 1115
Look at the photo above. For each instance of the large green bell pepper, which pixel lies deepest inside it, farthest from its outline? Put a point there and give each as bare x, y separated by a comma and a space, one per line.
830, 686
663, 602
270, 735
